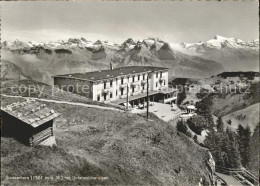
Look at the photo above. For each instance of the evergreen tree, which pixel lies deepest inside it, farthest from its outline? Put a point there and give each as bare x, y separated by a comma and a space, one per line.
246, 156
210, 121
220, 125
241, 138
244, 135
233, 150
223, 143
220, 157
210, 141
224, 148
217, 152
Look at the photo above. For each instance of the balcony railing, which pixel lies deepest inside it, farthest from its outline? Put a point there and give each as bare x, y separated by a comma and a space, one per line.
162, 88
169, 99
107, 101
107, 90
143, 82
134, 93
122, 96
134, 85
161, 80
167, 90
143, 91
123, 85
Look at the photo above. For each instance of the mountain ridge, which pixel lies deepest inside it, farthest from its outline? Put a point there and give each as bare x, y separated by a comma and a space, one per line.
80, 54
215, 42
234, 54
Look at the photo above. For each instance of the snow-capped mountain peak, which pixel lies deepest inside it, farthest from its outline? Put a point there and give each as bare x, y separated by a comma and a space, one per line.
221, 42
218, 42
15, 44
199, 59
130, 41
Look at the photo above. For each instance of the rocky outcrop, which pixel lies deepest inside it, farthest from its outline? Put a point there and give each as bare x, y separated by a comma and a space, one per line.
211, 168
99, 54
166, 53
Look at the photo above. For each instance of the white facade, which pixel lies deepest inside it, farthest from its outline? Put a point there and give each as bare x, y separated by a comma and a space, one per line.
112, 85
116, 88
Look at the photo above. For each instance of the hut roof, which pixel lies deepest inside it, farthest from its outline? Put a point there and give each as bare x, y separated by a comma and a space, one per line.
108, 74
31, 112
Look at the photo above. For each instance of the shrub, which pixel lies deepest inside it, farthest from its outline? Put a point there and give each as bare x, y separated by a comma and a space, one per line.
195, 138
182, 127
197, 124
229, 122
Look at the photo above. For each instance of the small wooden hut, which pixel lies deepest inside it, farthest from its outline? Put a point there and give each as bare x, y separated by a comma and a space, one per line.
29, 122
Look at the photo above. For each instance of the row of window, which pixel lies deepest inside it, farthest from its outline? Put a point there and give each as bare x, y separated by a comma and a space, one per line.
122, 92
133, 78
160, 83
158, 74
122, 80
105, 96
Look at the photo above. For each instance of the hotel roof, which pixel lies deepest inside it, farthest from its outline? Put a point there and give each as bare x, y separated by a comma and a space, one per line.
107, 74
31, 112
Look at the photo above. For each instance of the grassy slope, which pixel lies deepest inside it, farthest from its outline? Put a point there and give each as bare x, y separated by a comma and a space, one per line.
251, 119
24, 161
235, 101
231, 103
121, 146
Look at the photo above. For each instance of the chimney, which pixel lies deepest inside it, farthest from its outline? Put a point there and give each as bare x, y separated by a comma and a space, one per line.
111, 66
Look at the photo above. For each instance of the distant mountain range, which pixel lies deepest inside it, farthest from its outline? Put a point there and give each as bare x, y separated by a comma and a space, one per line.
234, 54
41, 60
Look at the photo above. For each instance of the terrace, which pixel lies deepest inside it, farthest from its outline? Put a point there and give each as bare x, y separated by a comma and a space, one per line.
163, 111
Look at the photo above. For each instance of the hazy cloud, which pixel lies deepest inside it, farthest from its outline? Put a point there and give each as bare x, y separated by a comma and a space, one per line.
175, 21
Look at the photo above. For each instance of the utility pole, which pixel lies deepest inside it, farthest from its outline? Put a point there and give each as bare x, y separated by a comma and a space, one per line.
70, 66
147, 111
127, 90
177, 97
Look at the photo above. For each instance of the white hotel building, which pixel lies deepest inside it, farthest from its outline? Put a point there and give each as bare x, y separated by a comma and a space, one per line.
111, 85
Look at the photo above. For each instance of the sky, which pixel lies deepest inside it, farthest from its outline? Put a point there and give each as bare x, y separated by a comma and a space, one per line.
174, 21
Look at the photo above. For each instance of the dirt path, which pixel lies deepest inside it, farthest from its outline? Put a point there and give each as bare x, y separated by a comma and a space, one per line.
65, 102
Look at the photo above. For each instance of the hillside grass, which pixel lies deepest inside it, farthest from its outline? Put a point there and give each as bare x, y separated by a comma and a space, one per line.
247, 116
124, 147
231, 103
42, 161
